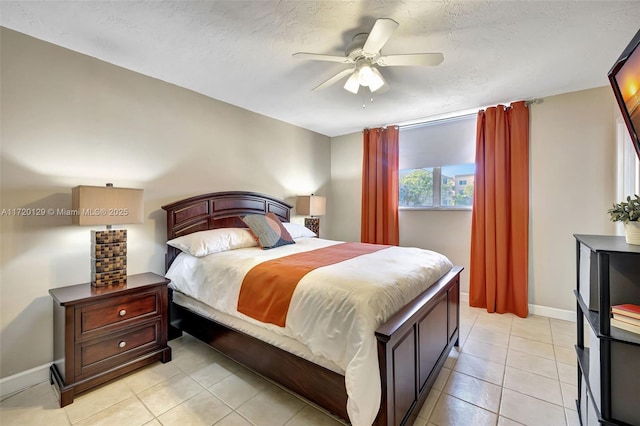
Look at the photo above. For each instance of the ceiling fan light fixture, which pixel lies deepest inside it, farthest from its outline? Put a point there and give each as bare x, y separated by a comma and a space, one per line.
365, 75
375, 81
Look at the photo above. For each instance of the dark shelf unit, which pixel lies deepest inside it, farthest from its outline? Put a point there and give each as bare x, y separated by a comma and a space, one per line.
608, 273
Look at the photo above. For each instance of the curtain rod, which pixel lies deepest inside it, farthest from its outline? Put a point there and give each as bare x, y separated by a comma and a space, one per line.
534, 101
461, 115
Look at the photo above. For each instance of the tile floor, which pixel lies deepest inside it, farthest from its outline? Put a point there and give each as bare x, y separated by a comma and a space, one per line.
507, 371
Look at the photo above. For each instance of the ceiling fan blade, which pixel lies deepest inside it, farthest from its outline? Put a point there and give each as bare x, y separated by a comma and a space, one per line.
319, 57
332, 80
412, 59
379, 35
353, 83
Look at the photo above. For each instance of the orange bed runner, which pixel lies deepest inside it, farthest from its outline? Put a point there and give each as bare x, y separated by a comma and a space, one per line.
267, 288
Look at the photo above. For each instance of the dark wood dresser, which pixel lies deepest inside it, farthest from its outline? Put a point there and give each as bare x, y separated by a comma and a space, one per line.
608, 272
101, 333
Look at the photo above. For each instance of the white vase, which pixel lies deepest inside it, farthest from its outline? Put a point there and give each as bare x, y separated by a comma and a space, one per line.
632, 232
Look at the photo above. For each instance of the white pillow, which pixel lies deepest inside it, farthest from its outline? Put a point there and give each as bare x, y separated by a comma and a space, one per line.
202, 243
298, 231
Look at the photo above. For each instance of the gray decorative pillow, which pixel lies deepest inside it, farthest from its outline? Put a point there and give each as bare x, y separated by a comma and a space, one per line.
268, 230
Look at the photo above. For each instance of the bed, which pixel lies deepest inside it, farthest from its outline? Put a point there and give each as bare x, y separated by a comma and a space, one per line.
412, 344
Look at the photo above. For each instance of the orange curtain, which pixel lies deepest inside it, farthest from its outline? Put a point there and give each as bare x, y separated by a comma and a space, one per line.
380, 186
500, 219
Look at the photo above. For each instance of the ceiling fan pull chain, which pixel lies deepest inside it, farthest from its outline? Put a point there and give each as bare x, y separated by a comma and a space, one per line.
364, 100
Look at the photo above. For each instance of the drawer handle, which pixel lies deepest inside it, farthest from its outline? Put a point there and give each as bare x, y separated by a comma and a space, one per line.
122, 344
122, 312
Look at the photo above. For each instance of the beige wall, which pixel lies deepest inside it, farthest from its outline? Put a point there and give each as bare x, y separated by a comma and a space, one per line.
572, 185
346, 187
447, 232
573, 153
68, 119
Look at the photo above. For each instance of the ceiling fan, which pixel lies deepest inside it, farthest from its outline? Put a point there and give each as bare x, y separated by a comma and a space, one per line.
364, 54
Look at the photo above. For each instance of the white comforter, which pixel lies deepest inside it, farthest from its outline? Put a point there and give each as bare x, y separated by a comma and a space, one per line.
334, 310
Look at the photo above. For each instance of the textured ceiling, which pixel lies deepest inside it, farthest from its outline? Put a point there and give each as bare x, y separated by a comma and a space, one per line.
240, 51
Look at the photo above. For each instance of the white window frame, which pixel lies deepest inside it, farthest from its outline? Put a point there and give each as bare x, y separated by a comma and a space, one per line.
627, 165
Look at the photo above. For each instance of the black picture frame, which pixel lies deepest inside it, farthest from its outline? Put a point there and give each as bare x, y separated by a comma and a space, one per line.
624, 77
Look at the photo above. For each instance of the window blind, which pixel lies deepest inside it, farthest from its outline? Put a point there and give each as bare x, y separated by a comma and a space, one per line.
438, 143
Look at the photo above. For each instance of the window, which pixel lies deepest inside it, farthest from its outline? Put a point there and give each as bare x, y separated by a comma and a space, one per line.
436, 164
437, 186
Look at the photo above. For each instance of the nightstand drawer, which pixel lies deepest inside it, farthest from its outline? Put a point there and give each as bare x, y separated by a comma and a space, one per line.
116, 313
116, 350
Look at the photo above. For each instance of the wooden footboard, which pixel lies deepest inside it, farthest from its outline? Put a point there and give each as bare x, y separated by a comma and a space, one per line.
413, 345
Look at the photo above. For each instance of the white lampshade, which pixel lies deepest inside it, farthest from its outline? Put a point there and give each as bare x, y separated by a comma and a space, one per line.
365, 75
313, 205
353, 84
376, 81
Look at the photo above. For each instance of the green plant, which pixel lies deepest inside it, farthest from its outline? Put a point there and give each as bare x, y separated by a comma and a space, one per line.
628, 211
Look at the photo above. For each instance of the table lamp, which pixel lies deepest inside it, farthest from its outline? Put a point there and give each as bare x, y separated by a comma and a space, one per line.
107, 205
312, 205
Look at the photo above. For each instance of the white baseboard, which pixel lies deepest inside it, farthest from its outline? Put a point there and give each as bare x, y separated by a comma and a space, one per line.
23, 380
556, 313
544, 311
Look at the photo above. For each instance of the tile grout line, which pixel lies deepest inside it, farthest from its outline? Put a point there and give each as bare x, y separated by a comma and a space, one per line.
504, 373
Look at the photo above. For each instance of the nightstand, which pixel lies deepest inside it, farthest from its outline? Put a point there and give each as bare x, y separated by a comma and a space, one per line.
101, 333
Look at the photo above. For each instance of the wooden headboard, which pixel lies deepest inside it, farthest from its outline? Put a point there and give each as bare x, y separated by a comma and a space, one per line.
218, 210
